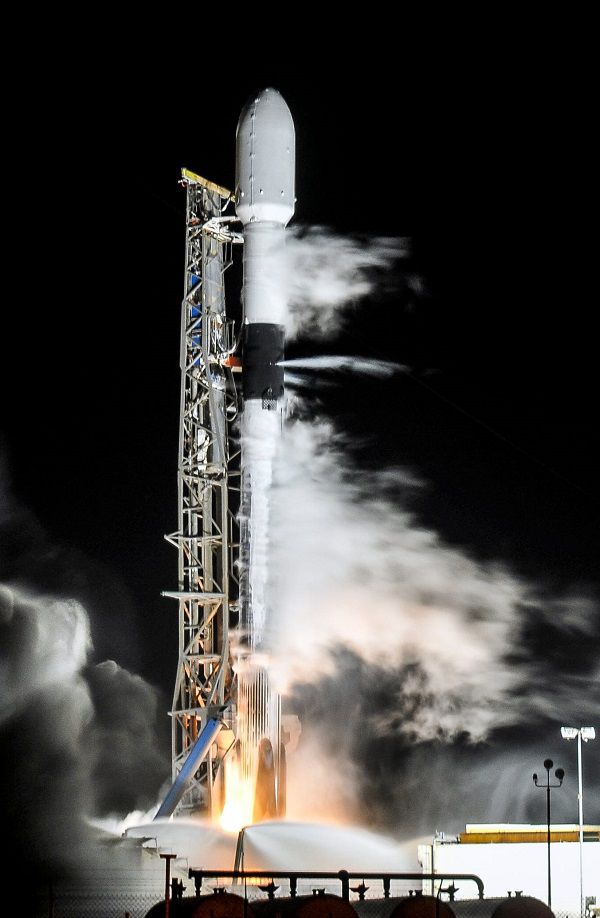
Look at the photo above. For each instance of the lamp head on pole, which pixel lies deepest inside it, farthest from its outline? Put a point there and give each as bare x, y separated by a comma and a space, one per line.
569, 733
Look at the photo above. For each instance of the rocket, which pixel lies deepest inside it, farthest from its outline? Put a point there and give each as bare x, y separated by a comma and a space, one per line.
265, 167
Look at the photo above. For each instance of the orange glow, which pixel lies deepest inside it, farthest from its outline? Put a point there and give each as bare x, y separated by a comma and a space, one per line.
239, 799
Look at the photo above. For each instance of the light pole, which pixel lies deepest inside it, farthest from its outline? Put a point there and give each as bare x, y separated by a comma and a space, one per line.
585, 734
548, 763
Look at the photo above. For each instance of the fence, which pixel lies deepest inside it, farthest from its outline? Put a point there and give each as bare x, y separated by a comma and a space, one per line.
366, 893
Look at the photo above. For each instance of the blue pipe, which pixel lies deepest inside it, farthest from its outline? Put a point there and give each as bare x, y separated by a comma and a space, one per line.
196, 755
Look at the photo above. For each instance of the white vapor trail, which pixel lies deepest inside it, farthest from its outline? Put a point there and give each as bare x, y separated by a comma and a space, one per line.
365, 365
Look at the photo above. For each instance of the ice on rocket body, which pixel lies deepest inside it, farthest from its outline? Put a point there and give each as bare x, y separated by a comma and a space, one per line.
265, 168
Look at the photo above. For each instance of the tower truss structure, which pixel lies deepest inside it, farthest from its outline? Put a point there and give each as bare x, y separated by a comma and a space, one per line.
207, 539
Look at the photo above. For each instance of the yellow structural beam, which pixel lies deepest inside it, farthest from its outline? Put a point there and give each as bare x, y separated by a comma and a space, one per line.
556, 835
188, 176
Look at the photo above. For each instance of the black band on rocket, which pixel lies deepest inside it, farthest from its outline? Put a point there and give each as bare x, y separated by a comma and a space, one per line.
262, 352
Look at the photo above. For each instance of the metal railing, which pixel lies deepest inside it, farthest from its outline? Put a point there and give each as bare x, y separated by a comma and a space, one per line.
344, 877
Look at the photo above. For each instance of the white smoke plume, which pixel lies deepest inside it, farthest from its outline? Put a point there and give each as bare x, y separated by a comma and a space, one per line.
407, 659
320, 787
45, 714
45, 645
78, 738
364, 577
326, 274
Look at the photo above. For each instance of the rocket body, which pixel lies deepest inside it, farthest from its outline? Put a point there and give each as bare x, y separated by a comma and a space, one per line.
265, 165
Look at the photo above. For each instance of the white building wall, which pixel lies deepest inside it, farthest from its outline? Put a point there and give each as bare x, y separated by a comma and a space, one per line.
516, 866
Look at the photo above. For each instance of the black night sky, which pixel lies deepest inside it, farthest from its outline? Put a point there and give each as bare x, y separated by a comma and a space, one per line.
490, 180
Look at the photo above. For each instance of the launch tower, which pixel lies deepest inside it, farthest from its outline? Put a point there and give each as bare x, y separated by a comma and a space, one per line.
207, 536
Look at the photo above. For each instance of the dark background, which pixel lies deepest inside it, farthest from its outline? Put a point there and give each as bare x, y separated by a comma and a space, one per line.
491, 178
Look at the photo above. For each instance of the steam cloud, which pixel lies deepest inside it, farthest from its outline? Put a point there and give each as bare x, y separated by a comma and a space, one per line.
77, 738
413, 661
328, 274
405, 656
384, 589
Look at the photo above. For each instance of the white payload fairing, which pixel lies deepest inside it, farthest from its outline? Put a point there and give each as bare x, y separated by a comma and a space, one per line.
265, 161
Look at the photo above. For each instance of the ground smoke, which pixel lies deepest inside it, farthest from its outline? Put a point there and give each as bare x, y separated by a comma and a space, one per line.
76, 738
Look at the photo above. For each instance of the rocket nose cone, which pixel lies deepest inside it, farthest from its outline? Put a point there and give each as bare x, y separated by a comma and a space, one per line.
264, 107
265, 159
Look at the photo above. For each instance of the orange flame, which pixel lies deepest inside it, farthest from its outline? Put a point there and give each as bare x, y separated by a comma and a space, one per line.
239, 800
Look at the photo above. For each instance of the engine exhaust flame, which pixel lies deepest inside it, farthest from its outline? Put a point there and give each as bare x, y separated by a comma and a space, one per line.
239, 799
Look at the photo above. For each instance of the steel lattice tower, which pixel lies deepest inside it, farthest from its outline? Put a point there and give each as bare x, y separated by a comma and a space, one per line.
207, 538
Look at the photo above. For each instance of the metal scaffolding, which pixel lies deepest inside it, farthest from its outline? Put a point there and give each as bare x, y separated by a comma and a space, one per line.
207, 540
